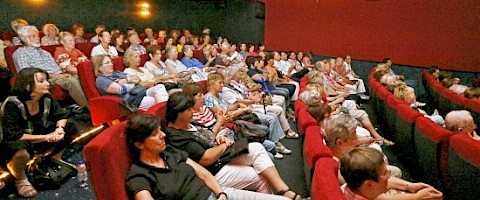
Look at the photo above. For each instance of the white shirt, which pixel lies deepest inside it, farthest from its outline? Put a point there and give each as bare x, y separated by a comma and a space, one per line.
99, 50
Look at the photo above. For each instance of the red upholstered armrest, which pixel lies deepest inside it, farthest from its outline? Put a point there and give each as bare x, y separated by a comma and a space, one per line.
158, 110
325, 184
305, 120
382, 92
394, 102
313, 147
466, 147
299, 104
303, 82
407, 113
431, 130
104, 109
108, 162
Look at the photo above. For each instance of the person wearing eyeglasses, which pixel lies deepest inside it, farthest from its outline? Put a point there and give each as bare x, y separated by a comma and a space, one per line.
341, 138
461, 121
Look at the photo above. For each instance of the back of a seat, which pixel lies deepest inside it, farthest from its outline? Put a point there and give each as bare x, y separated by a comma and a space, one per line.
313, 146
158, 110
87, 79
9, 58
463, 168
325, 184
431, 149
304, 120
404, 128
86, 48
108, 161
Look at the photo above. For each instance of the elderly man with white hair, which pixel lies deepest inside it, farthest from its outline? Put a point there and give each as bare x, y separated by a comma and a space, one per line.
31, 55
461, 121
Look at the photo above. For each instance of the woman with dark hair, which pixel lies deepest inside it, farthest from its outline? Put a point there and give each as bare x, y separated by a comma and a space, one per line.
78, 31
33, 123
117, 41
252, 170
104, 47
157, 66
162, 172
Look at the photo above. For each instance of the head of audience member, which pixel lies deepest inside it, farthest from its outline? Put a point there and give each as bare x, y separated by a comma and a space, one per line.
67, 40
339, 61
104, 38
188, 51
18, 23
254, 62
328, 66
206, 31
236, 71
102, 65
283, 56
365, 172
348, 59
243, 47
162, 33
388, 62
50, 30
317, 87
269, 59
182, 40
226, 48
315, 77
340, 133
144, 135
179, 108
171, 53
114, 31
154, 52
461, 121
131, 58
206, 38
233, 47
476, 83
208, 51
196, 41
306, 60
251, 48
134, 39
29, 36
448, 82
380, 72
319, 66
77, 30
187, 33
261, 47
311, 97
131, 30
292, 55
300, 56
175, 34
405, 93
196, 91
99, 28
215, 82
117, 39
169, 42
149, 32
276, 56
30, 83
391, 80
319, 111
434, 71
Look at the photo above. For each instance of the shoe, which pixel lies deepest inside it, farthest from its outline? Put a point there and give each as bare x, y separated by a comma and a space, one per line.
384, 142
363, 96
283, 150
435, 112
278, 156
291, 134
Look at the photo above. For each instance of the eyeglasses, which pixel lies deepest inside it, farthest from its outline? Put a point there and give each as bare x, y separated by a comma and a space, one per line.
107, 63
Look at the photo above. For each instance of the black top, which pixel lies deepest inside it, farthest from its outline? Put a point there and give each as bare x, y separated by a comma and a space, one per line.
204, 61
177, 181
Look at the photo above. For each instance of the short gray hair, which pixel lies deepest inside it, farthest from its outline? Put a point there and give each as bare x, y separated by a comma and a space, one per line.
25, 30
337, 127
310, 97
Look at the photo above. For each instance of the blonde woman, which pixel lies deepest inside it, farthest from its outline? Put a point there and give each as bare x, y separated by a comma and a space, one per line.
51, 35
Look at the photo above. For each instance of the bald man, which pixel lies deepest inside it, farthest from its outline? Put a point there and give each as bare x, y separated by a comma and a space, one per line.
461, 121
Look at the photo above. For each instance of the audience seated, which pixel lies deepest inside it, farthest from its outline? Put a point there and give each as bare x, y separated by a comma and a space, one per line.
473, 92
117, 41
340, 137
16, 25
33, 123
98, 30
190, 62
253, 170
160, 171
116, 83
158, 67
32, 55
51, 35
104, 47
135, 43
150, 38
78, 31
67, 56
283, 81
461, 121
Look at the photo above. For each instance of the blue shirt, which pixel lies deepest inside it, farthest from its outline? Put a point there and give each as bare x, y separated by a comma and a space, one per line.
192, 62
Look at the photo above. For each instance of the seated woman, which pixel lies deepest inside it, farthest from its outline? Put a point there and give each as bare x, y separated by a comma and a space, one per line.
157, 66
104, 48
132, 61
162, 172
78, 31
209, 57
116, 83
250, 171
473, 92
67, 56
33, 123
117, 41
51, 35
282, 81
214, 101
407, 94
236, 92
215, 123
457, 87
340, 137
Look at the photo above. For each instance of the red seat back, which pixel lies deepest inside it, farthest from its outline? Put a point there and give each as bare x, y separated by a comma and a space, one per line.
87, 78
325, 184
313, 147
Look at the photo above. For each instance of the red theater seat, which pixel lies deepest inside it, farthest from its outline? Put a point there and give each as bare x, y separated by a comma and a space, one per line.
304, 120
463, 168
108, 161
404, 127
325, 184
313, 147
86, 48
158, 110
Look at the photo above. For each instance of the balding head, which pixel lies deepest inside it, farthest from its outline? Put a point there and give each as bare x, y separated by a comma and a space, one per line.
456, 120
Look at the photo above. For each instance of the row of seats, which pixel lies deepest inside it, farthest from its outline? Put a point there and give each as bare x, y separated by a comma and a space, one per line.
447, 100
448, 162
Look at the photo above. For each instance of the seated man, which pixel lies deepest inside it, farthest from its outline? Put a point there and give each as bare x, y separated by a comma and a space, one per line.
190, 62
461, 121
31, 55
135, 43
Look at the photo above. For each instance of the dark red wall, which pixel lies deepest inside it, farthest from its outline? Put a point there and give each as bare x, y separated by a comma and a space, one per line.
411, 32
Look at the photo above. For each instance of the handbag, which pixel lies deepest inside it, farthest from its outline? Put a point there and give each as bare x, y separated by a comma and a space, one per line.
253, 132
238, 148
249, 117
134, 97
184, 78
48, 173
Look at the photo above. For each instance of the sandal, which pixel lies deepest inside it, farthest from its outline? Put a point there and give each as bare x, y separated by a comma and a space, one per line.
384, 142
25, 188
291, 134
295, 196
